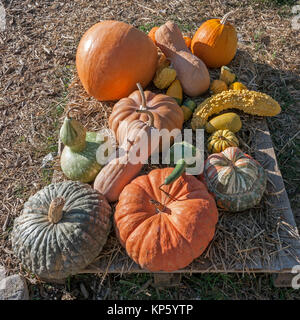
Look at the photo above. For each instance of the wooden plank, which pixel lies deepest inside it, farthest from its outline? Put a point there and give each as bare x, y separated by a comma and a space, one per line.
289, 250
287, 228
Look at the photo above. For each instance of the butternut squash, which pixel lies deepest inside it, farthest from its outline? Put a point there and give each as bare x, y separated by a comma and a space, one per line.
191, 71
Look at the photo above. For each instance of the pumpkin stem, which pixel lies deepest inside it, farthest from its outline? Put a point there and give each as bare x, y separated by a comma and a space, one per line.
55, 211
166, 193
71, 109
143, 105
159, 207
150, 115
224, 19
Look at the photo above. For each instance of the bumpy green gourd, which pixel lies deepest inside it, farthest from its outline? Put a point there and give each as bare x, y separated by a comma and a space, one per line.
252, 102
78, 159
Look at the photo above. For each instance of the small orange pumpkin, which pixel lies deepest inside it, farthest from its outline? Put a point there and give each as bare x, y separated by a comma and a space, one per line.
215, 42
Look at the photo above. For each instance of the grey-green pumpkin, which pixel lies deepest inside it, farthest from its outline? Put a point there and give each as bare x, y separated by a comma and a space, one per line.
78, 159
62, 229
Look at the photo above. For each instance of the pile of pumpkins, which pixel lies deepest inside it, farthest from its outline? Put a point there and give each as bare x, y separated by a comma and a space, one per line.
167, 218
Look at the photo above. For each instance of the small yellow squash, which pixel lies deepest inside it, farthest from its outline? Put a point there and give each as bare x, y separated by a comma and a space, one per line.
229, 120
220, 140
237, 86
227, 75
175, 91
164, 77
218, 86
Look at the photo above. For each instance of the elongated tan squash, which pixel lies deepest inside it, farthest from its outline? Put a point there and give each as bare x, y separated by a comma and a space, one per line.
252, 102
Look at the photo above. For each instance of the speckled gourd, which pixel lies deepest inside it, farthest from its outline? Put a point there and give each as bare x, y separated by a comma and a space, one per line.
235, 179
61, 230
252, 102
78, 159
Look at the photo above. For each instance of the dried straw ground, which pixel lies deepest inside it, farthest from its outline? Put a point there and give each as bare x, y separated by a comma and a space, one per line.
37, 52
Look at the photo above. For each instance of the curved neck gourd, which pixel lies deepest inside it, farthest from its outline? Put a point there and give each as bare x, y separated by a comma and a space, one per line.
73, 134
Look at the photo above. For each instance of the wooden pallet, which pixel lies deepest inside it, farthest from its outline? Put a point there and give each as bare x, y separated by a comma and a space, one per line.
287, 257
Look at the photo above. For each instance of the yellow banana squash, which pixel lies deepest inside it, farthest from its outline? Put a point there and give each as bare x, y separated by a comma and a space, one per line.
252, 102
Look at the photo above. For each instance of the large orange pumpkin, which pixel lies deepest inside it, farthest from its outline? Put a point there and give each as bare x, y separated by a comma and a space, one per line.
166, 112
215, 42
163, 233
112, 57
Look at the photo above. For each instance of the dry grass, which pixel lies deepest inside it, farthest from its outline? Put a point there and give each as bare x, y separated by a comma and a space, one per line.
37, 52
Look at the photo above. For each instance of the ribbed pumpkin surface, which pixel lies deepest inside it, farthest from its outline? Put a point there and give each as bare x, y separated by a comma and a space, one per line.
57, 250
169, 238
236, 179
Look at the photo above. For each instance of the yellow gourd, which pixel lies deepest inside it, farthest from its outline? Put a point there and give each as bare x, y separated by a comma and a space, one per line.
164, 77
252, 102
220, 140
230, 121
218, 86
175, 91
237, 86
227, 75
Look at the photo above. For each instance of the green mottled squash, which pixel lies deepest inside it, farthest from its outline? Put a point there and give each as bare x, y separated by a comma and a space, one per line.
230, 121
78, 159
235, 179
62, 229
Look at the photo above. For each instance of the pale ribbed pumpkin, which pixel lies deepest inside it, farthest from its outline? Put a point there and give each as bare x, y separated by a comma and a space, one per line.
62, 229
112, 57
120, 170
163, 233
166, 112
235, 178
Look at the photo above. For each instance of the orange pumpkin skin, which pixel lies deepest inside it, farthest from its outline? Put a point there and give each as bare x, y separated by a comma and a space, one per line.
215, 42
171, 239
112, 57
167, 113
188, 41
151, 34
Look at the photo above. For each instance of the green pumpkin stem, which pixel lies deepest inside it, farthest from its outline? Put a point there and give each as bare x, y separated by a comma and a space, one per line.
55, 211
